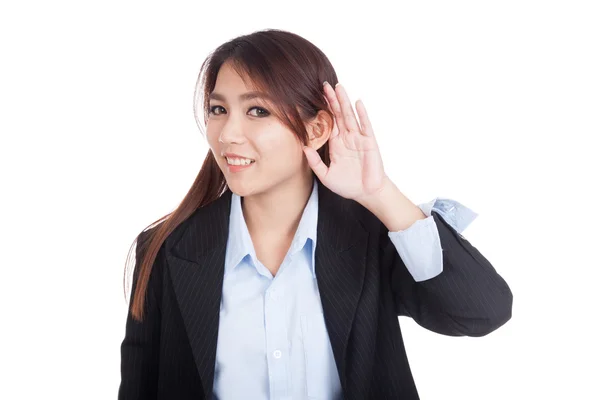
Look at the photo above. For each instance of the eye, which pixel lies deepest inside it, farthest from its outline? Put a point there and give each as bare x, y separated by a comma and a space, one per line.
212, 109
261, 111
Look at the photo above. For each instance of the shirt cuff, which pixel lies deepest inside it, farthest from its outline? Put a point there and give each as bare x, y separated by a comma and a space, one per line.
454, 213
419, 245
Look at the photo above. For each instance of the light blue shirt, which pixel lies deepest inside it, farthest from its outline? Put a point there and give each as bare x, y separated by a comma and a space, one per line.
273, 343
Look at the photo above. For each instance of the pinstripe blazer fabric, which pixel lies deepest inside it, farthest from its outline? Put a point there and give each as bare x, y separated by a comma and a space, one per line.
364, 287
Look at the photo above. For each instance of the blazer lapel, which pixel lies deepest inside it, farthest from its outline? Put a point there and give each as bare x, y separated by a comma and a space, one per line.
196, 258
197, 263
340, 261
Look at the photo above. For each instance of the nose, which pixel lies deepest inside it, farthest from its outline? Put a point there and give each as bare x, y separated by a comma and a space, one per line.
231, 132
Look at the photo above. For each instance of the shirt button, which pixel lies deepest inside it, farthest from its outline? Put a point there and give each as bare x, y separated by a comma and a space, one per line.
277, 354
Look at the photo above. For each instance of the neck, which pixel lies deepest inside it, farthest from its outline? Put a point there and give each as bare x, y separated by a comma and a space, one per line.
277, 213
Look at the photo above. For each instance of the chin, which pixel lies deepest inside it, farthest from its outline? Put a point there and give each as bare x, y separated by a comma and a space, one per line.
241, 189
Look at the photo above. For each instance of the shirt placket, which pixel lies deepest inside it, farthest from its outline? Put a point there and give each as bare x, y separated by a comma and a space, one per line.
278, 357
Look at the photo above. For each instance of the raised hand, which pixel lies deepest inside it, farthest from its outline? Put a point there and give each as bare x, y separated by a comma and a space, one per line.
356, 170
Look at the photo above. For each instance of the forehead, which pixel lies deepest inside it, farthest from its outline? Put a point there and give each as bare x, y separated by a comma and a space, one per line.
231, 86
228, 76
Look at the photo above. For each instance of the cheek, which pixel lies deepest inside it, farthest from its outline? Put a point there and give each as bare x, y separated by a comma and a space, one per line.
212, 135
280, 146
214, 145
215, 149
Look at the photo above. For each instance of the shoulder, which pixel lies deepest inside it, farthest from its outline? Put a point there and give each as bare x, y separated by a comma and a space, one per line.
204, 228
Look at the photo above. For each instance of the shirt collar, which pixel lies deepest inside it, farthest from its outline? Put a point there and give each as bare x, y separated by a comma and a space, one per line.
240, 246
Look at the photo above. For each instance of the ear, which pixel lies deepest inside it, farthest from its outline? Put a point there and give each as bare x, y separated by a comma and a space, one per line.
319, 130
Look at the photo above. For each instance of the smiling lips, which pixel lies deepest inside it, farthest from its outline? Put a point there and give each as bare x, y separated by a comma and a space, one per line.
236, 162
239, 161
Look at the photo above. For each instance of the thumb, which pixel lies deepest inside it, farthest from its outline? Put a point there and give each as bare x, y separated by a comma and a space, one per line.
315, 162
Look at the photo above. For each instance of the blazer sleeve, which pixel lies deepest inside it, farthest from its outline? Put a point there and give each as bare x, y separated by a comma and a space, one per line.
469, 298
140, 347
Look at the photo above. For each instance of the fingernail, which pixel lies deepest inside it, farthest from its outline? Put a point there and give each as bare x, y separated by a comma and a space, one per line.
336, 85
325, 83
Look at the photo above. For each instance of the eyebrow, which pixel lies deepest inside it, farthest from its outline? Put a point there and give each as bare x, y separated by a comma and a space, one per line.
242, 97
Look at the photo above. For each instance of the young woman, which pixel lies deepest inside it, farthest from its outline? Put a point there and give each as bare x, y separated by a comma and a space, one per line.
282, 273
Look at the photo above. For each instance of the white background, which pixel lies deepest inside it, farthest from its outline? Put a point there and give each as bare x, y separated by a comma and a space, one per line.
495, 104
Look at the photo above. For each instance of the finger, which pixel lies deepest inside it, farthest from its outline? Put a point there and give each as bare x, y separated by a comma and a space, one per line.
335, 106
335, 131
350, 121
365, 123
315, 163
327, 101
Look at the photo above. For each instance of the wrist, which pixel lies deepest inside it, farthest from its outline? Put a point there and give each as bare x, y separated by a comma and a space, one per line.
392, 207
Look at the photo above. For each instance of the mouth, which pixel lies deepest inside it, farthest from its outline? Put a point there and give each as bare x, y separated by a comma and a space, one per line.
238, 164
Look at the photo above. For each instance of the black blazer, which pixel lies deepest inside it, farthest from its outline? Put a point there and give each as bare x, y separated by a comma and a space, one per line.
364, 287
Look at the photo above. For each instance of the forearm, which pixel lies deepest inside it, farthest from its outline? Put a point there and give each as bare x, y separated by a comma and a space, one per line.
467, 298
393, 208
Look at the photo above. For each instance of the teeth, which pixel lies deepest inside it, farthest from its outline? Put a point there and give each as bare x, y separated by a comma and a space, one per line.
239, 161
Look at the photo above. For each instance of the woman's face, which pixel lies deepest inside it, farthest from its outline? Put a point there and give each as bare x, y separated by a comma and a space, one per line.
245, 126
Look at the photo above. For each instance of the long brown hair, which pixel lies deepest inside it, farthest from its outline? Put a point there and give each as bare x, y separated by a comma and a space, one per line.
289, 68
